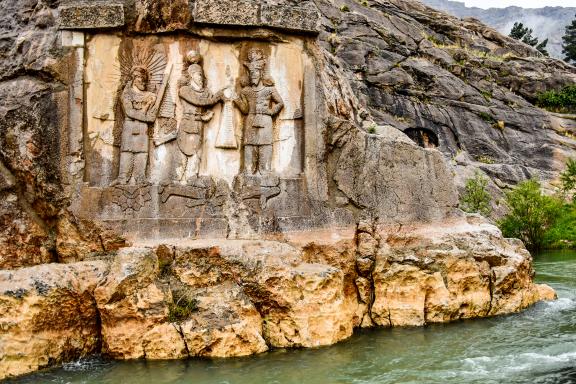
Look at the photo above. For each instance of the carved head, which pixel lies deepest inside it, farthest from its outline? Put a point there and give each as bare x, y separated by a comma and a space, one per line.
194, 69
193, 57
256, 65
196, 75
139, 78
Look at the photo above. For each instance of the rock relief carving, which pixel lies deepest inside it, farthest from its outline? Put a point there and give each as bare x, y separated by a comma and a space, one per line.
226, 138
260, 102
196, 100
131, 197
140, 106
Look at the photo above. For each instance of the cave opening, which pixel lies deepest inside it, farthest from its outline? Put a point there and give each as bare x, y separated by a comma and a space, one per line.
423, 137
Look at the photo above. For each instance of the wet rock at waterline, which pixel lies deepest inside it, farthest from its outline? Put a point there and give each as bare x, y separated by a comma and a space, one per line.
212, 185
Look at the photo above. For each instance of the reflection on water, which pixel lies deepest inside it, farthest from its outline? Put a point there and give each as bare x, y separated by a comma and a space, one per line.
536, 346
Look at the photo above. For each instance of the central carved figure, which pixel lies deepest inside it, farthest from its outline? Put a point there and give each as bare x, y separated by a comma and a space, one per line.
196, 98
260, 101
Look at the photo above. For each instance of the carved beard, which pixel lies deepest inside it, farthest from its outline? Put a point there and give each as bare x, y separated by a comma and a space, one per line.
196, 86
141, 100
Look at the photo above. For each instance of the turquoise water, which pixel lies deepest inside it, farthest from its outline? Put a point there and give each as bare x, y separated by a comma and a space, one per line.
536, 346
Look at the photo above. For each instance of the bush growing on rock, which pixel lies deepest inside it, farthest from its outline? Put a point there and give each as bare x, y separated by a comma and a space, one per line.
475, 198
568, 179
563, 233
531, 214
563, 101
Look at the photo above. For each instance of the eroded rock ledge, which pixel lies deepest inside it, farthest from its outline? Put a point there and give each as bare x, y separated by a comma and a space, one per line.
223, 298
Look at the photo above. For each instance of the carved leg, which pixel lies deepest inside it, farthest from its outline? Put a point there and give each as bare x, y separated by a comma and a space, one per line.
264, 159
250, 159
181, 165
139, 171
193, 168
126, 166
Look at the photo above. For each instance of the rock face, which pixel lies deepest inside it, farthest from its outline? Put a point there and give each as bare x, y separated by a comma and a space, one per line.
547, 22
242, 183
241, 297
48, 315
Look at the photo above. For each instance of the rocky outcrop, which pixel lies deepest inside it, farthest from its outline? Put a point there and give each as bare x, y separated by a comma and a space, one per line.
458, 85
547, 22
357, 227
461, 271
48, 315
241, 297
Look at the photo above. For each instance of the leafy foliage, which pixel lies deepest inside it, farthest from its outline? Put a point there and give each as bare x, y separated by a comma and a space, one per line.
562, 234
569, 43
563, 101
475, 198
568, 179
524, 34
531, 214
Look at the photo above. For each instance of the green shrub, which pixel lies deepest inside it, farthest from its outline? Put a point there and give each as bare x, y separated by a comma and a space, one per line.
568, 179
563, 101
487, 117
181, 309
475, 198
485, 159
531, 214
562, 234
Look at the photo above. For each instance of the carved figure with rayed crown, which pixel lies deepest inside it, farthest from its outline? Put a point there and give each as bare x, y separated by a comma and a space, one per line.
140, 106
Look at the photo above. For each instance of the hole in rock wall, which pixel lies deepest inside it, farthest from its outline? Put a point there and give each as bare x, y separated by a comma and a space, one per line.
423, 137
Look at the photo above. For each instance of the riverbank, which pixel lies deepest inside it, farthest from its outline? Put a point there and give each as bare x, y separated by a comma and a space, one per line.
536, 346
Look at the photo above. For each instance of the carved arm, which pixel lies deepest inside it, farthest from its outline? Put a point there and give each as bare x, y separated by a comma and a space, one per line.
205, 99
279, 103
242, 103
136, 114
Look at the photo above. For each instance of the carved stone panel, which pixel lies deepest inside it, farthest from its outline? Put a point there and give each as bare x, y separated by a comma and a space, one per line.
182, 131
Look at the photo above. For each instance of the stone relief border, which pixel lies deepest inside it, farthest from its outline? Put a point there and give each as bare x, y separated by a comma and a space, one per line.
248, 13
145, 106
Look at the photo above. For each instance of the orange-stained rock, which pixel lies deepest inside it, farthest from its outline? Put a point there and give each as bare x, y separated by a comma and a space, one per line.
462, 269
48, 315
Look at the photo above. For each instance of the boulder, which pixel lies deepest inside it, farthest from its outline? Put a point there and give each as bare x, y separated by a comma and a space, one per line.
48, 315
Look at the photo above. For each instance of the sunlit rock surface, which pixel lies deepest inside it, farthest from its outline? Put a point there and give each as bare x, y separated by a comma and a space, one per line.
212, 180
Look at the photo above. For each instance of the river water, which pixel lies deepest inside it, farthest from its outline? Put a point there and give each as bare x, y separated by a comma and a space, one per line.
536, 346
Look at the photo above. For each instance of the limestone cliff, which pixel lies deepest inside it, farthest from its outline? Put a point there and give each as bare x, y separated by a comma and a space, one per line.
219, 179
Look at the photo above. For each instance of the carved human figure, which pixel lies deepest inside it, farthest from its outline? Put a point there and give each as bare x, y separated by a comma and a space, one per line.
260, 102
140, 109
196, 99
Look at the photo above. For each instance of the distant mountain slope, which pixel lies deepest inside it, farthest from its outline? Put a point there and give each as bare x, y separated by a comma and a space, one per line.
548, 22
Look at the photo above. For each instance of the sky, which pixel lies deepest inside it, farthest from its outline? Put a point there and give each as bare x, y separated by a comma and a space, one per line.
519, 3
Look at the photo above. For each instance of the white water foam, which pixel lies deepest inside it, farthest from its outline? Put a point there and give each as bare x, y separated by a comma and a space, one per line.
505, 366
559, 305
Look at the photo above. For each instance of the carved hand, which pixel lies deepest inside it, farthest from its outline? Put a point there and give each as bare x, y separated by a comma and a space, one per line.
207, 116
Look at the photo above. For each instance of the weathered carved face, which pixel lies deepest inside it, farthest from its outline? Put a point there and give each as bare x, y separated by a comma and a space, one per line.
255, 76
139, 81
197, 80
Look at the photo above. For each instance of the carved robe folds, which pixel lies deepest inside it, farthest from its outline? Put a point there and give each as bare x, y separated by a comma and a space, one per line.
194, 117
134, 147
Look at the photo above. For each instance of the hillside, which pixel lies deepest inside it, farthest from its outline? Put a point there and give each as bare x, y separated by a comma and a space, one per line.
547, 22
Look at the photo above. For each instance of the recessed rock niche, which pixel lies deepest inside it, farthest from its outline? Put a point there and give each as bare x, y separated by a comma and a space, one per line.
182, 133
